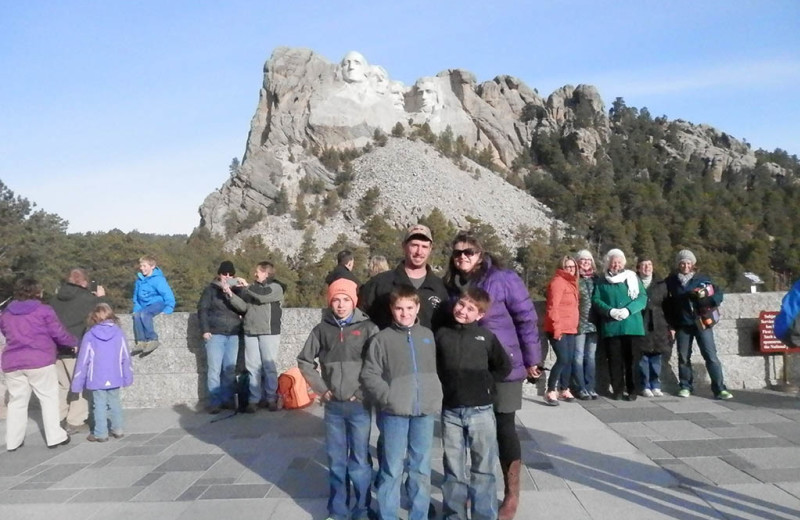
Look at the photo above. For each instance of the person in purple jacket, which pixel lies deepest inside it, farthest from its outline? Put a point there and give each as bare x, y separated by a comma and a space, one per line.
103, 367
33, 332
512, 318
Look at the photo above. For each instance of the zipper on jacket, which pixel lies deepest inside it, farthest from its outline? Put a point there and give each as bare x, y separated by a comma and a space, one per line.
416, 372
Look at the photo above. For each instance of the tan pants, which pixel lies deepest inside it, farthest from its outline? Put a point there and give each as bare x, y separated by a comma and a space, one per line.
44, 383
72, 407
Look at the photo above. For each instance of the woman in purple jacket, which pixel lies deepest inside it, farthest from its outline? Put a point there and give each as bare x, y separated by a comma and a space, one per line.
32, 333
512, 318
103, 366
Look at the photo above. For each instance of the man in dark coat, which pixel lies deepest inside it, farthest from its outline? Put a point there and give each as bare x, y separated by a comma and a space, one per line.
73, 302
344, 268
415, 272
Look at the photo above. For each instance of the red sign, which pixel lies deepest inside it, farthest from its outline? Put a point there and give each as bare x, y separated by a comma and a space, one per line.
768, 343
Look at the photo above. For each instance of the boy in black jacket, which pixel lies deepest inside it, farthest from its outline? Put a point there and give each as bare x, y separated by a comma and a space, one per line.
469, 359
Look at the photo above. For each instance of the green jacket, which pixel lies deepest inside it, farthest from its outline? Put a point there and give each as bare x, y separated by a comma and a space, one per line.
609, 296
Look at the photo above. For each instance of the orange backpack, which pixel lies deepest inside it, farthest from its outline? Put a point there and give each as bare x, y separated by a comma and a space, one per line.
293, 390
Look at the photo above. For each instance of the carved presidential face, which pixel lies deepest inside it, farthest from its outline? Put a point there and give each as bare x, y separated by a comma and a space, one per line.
354, 67
398, 93
428, 95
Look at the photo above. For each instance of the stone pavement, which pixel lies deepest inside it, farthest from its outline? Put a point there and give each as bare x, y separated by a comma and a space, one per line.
654, 458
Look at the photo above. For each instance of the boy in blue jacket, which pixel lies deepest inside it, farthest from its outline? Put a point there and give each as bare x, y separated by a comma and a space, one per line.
152, 295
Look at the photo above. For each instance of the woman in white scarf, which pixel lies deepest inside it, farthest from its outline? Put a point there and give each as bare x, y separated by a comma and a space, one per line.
619, 298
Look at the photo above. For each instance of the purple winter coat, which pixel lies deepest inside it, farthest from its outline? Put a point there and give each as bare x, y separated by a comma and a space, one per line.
512, 318
33, 332
103, 360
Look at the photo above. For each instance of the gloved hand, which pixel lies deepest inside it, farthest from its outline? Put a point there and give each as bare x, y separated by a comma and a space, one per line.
624, 313
615, 314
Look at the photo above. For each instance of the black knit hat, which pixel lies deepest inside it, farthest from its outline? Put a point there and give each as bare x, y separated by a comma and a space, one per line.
226, 267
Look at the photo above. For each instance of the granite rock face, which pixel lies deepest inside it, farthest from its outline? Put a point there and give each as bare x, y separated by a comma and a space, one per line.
308, 104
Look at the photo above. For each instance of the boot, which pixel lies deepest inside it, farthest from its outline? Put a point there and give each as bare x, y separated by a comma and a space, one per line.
511, 496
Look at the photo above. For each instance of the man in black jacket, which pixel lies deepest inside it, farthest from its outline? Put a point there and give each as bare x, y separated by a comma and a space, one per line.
414, 271
344, 268
73, 302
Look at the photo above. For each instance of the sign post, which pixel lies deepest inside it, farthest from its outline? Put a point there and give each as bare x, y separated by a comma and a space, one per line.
769, 344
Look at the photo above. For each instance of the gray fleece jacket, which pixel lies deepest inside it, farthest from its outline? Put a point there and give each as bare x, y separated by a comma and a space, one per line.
261, 304
399, 371
339, 347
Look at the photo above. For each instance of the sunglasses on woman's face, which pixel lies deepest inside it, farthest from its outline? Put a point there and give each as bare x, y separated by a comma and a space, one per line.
465, 252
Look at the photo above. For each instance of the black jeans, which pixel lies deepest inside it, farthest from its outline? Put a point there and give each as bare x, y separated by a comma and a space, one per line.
620, 364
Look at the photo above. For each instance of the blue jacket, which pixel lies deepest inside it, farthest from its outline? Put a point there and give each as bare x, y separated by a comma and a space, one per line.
787, 325
153, 289
678, 308
103, 359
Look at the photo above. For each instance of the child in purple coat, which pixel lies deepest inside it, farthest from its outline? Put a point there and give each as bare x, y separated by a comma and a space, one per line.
103, 366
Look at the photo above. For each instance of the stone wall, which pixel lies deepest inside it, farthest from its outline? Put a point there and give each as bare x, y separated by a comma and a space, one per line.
174, 374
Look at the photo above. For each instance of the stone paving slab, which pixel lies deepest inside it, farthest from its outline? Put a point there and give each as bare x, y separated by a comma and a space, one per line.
583, 460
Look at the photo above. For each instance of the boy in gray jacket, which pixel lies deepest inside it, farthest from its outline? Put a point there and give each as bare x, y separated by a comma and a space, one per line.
261, 302
338, 343
399, 375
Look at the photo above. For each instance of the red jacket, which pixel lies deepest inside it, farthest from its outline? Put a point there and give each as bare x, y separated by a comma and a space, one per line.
562, 314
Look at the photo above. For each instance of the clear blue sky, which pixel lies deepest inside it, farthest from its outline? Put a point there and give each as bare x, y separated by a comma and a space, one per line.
117, 114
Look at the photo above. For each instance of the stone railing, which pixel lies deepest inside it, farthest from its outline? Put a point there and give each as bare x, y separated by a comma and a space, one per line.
175, 373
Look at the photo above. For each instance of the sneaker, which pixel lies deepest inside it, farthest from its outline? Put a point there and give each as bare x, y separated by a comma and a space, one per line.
657, 392
74, 429
117, 435
631, 396
593, 395
647, 393
725, 395
684, 392
62, 443
567, 396
583, 395
551, 398
251, 408
138, 348
149, 347
92, 438
273, 406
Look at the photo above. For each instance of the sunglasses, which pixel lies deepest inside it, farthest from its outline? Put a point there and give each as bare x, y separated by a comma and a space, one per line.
465, 252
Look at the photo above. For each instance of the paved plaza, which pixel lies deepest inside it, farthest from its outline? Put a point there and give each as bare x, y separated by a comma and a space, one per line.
657, 458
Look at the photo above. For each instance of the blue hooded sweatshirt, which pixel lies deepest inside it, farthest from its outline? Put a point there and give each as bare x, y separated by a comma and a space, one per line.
153, 289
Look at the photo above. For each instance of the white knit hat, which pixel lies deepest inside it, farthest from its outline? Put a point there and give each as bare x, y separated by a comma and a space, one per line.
685, 254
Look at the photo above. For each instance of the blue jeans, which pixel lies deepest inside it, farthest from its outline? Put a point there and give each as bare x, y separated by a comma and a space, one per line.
561, 371
221, 354
106, 406
347, 429
583, 364
469, 429
412, 437
260, 355
143, 329
708, 349
650, 371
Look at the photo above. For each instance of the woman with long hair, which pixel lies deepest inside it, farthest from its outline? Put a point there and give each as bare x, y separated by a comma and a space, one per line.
512, 318
561, 324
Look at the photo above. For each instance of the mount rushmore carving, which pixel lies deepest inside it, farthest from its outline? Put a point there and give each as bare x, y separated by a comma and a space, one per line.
307, 104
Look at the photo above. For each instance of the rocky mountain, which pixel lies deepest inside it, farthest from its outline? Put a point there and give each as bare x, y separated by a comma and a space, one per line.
310, 109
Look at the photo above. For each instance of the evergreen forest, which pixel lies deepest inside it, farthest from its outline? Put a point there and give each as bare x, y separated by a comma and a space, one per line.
637, 197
